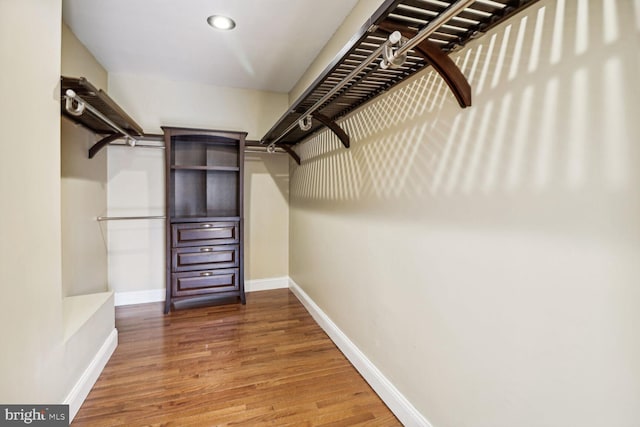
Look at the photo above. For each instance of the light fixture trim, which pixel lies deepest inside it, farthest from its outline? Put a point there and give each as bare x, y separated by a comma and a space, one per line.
221, 22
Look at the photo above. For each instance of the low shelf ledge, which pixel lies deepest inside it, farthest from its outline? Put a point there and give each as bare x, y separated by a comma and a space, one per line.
79, 309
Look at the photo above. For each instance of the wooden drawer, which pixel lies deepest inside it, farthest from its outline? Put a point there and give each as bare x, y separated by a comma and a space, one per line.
204, 257
204, 282
204, 234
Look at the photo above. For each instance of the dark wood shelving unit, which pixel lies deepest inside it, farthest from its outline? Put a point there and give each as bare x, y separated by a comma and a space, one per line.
408, 17
205, 227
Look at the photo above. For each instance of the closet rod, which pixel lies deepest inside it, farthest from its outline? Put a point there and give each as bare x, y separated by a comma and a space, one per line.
247, 148
138, 145
262, 150
161, 147
333, 91
439, 20
71, 95
436, 23
124, 218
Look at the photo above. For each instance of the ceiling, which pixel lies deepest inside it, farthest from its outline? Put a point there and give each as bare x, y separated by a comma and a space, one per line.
272, 45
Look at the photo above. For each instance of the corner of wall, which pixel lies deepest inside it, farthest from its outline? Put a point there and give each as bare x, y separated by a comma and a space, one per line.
359, 15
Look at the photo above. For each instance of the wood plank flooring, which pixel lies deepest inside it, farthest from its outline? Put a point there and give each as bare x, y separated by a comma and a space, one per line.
264, 364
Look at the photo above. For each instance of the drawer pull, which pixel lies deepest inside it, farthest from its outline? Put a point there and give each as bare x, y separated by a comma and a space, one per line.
206, 249
206, 274
210, 227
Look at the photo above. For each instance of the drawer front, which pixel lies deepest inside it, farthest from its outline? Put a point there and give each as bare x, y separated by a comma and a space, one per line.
204, 282
205, 234
204, 257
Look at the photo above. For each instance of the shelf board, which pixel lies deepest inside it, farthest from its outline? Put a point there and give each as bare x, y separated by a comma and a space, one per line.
207, 168
409, 16
208, 218
100, 101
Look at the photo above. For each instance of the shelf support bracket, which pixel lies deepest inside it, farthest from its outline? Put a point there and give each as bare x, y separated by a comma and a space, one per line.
102, 143
441, 62
340, 133
290, 151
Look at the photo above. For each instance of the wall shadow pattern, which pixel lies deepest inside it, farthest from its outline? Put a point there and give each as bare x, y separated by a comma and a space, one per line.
533, 140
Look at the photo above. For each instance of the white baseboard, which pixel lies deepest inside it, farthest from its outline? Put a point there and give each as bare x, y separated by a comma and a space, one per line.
139, 297
399, 405
83, 386
158, 295
266, 284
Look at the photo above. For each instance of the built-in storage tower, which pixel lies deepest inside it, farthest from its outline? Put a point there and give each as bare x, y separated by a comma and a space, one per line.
204, 235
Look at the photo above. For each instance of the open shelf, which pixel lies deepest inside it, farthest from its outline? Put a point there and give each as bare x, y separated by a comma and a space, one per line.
100, 114
100, 101
207, 168
199, 192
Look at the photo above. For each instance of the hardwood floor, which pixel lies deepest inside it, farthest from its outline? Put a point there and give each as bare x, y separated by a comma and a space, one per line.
264, 364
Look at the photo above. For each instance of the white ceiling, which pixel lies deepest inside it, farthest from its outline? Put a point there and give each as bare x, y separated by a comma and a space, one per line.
272, 45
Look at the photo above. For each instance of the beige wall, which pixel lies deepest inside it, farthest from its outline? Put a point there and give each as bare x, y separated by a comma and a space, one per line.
44, 352
136, 248
350, 26
88, 310
487, 260
136, 176
30, 256
77, 61
84, 185
156, 102
266, 202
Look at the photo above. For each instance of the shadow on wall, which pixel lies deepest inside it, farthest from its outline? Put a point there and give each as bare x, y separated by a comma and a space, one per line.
555, 110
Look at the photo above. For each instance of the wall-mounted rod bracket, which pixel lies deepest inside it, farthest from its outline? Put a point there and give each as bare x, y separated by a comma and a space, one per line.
305, 123
80, 107
389, 58
70, 98
333, 126
271, 148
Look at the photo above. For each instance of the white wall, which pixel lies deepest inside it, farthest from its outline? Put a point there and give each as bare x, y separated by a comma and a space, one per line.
487, 260
136, 176
31, 363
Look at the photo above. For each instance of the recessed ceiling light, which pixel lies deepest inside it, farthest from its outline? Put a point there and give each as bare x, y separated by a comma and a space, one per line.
221, 22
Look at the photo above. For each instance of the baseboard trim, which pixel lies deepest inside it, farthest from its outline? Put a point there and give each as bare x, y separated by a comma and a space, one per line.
83, 386
399, 405
266, 284
159, 295
139, 297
